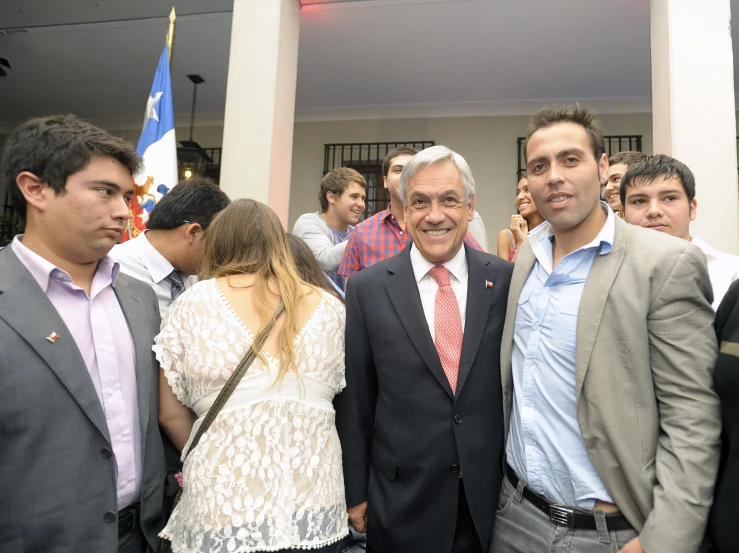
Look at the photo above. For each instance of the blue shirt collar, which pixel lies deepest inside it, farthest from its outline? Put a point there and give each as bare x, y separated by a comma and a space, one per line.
541, 239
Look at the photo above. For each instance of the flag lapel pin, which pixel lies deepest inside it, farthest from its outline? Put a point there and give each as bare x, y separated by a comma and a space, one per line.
488, 284
52, 337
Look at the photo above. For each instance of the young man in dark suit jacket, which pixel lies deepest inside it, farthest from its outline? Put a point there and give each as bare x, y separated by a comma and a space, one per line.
81, 458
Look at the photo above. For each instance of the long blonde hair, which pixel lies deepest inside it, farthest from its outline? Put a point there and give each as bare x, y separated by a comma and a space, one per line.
247, 238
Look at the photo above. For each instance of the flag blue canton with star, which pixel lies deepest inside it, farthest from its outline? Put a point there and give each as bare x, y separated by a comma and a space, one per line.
158, 147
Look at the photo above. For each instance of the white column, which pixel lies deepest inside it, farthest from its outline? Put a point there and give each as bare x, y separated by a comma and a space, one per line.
693, 108
260, 102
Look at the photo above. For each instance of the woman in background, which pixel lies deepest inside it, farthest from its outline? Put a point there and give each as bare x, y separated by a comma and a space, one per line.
528, 218
267, 475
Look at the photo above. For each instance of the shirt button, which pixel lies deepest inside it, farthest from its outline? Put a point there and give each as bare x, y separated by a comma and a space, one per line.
106, 453
110, 517
119, 437
124, 484
529, 442
537, 325
458, 419
109, 391
401, 232
547, 289
529, 363
104, 348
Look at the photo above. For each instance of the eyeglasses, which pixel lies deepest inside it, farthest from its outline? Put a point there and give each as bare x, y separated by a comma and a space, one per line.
195, 222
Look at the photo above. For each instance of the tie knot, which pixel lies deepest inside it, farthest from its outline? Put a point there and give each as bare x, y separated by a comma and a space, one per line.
176, 278
440, 274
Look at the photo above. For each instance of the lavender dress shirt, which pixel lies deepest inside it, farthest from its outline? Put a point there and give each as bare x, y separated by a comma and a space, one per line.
99, 328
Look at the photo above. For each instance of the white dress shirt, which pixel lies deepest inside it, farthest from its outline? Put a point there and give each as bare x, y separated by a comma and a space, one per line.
427, 286
140, 260
723, 269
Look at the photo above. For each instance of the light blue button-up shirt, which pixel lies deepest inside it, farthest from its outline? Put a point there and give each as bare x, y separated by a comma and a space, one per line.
545, 444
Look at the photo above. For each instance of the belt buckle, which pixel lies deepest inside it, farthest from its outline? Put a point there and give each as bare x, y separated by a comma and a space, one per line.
563, 516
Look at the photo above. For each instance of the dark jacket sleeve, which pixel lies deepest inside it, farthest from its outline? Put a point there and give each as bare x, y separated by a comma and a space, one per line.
355, 406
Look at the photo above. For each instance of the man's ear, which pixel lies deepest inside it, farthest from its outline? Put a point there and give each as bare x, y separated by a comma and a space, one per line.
693, 209
603, 168
384, 182
330, 198
34, 190
192, 231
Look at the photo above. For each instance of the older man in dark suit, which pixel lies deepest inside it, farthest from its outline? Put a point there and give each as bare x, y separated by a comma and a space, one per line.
81, 458
421, 418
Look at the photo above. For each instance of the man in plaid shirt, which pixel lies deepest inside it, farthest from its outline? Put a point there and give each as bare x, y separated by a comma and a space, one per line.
383, 235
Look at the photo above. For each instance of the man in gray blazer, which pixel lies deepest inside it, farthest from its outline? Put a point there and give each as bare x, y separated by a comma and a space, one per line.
81, 460
606, 359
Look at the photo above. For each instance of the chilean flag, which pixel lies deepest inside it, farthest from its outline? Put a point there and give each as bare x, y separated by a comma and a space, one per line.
158, 147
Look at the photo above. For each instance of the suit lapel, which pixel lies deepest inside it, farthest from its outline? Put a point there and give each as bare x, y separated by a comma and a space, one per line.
403, 292
25, 307
136, 319
479, 300
524, 263
593, 301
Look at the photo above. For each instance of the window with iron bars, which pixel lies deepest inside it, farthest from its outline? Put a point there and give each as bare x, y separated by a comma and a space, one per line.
613, 143
366, 158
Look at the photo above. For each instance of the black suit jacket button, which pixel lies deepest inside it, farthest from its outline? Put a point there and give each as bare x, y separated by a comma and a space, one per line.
110, 517
455, 469
458, 419
106, 453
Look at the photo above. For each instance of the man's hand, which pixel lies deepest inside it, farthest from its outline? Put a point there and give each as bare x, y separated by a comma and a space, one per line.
358, 517
634, 546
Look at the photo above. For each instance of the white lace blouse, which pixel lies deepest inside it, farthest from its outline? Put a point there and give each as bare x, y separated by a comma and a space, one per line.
267, 474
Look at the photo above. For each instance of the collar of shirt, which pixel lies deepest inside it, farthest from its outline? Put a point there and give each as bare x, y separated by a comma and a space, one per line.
457, 265
42, 270
707, 250
159, 267
541, 240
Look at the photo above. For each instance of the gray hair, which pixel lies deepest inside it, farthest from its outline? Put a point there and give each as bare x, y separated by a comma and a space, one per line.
430, 156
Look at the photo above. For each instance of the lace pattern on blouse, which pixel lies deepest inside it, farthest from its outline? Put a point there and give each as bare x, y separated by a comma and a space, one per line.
267, 474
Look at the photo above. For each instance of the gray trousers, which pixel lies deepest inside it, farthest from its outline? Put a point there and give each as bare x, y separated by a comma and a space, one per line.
522, 528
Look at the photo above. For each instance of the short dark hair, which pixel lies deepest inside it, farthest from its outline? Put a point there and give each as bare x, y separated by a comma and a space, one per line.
336, 181
657, 166
197, 200
574, 113
626, 158
55, 147
392, 154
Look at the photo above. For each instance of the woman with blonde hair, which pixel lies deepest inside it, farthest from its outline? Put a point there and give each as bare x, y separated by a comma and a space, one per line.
510, 239
266, 475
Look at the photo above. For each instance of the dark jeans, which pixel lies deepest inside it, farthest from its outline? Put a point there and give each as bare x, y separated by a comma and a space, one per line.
133, 542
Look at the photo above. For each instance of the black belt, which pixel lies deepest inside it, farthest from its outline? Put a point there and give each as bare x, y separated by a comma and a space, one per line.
566, 516
128, 519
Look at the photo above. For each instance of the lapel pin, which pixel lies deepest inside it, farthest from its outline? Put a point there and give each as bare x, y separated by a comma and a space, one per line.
488, 284
52, 337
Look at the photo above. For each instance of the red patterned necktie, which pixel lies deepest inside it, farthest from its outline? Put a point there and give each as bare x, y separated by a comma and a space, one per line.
447, 325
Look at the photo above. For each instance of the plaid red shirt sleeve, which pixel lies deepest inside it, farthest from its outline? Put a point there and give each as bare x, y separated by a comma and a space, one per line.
350, 262
471, 242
